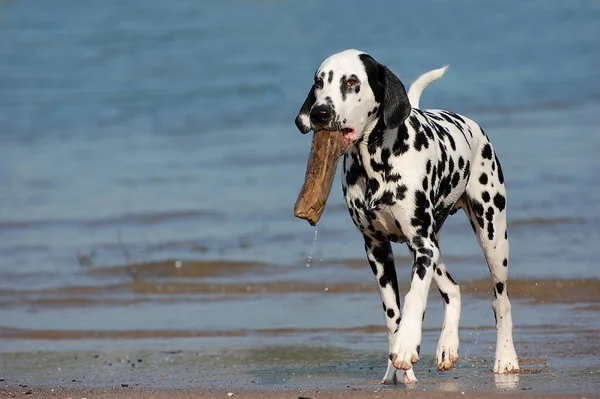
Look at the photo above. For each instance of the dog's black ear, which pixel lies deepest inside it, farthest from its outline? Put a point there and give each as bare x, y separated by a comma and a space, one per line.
388, 90
396, 106
303, 118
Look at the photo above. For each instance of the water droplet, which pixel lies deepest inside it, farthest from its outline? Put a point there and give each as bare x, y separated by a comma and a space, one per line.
312, 249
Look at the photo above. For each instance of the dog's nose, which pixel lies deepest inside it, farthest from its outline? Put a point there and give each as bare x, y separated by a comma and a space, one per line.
321, 114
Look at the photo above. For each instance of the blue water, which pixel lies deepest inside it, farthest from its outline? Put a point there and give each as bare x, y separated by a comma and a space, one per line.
146, 130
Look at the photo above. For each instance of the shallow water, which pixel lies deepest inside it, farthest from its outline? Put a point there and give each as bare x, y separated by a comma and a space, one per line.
150, 165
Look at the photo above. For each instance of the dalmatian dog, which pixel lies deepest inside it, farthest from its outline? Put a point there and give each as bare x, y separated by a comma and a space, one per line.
405, 170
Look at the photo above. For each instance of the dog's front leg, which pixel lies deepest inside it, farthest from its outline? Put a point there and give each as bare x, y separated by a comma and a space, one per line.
381, 260
405, 350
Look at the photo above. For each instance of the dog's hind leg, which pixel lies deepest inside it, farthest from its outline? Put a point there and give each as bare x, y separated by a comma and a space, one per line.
485, 204
447, 349
381, 260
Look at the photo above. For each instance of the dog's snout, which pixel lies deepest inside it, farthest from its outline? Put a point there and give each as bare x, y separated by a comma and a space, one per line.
321, 114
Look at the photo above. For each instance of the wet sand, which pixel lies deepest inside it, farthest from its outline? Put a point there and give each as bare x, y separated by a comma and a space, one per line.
196, 330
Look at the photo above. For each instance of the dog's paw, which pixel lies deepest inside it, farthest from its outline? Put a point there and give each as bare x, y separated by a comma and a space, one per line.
447, 350
405, 358
409, 377
390, 377
506, 365
506, 360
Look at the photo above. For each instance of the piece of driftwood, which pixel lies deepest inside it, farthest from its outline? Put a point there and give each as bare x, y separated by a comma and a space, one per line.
325, 154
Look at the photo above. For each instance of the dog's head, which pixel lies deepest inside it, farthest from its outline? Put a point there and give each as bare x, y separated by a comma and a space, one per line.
351, 92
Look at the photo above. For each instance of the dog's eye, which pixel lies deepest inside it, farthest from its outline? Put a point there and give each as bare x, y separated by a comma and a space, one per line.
351, 82
319, 83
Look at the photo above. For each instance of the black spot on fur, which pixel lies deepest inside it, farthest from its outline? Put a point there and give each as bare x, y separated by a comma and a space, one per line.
487, 151
421, 271
449, 277
387, 198
461, 162
489, 215
391, 313
500, 202
500, 174
439, 271
373, 185
485, 196
330, 78
483, 179
425, 251
420, 141
490, 231
401, 192
500, 288
424, 261
421, 219
455, 179
505, 262
445, 296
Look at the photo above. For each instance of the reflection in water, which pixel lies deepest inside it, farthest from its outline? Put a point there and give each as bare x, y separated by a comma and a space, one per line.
506, 381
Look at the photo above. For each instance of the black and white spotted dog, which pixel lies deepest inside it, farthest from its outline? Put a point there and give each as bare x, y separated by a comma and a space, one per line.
405, 170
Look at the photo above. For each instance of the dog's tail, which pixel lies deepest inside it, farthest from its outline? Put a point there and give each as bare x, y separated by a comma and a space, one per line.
416, 89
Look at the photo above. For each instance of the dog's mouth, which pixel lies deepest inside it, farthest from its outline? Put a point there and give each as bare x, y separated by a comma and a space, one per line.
348, 136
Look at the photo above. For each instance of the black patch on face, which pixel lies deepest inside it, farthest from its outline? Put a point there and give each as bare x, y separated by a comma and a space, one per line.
500, 288
500, 202
487, 151
330, 78
344, 88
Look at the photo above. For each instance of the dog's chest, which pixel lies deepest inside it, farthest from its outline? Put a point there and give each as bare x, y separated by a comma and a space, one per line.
370, 203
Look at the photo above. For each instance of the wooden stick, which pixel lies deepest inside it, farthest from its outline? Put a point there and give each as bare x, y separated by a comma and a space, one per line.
325, 154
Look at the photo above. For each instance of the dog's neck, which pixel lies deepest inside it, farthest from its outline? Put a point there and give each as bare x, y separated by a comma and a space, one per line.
375, 148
